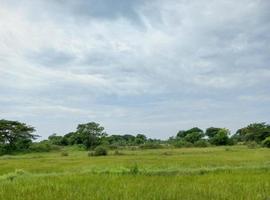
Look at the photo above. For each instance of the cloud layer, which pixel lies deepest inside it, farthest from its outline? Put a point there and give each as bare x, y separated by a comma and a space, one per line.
135, 66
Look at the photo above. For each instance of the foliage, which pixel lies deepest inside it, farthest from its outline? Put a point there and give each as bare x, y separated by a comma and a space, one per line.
15, 136
266, 142
151, 146
182, 143
57, 140
251, 144
100, 151
192, 135
118, 153
221, 137
90, 134
212, 131
254, 132
43, 146
134, 170
64, 154
201, 143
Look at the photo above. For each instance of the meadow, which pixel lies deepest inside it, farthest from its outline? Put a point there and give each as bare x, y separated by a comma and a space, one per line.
235, 172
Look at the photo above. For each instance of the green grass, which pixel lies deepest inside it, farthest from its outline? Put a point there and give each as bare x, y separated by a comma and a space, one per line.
188, 173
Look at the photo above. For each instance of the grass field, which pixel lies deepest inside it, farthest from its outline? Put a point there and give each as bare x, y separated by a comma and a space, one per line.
189, 173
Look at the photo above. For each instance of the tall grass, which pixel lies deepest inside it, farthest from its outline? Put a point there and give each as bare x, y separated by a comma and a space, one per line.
193, 173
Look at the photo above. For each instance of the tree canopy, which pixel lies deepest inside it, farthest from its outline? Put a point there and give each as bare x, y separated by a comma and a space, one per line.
15, 135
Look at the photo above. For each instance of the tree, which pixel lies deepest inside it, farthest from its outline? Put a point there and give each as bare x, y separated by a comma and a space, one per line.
56, 139
192, 135
90, 134
15, 135
140, 139
254, 132
181, 134
221, 137
212, 131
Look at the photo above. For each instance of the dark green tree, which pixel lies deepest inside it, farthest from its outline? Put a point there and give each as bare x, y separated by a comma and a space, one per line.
140, 139
192, 135
15, 135
89, 134
212, 131
56, 139
221, 137
254, 132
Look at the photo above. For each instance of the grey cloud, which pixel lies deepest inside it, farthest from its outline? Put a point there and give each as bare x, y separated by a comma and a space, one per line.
194, 63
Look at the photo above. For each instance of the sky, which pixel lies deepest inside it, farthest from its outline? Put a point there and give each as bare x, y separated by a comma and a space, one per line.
136, 66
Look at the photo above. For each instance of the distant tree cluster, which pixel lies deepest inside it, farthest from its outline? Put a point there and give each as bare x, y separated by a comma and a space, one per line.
18, 137
197, 137
91, 135
257, 132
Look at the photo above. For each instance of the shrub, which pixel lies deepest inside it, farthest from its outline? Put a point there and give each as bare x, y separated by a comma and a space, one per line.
134, 169
227, 149
113, 146
43, 147
100, 151
166, 153
118, 153
91, 153
266, 142
64, 153
151, 146
182, 143
252, 144
201, 143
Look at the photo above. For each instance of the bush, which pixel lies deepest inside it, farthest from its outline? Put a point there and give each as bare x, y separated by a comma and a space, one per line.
91, 153
266, 142
43, 147
134, 169
252, 144
64, 153
113, 146
118, 153
182, 143
100, 151
201, 143
151, 146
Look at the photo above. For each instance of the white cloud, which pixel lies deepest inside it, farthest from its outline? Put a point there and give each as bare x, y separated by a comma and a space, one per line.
120, 62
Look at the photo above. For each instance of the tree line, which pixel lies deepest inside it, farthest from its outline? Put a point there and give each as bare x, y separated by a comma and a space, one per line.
19, 137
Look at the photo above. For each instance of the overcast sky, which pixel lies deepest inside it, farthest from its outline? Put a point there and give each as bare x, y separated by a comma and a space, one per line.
135, 66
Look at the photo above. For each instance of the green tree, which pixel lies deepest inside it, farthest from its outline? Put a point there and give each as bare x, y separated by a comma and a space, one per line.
192, 135
140, 139
56, 139
221, 137
15, 135
212, 131
90, 134
254, 132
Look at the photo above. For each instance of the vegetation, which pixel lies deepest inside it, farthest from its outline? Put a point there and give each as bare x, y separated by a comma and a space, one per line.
134, 167
167, 173
100, 151
266, 142
17, 137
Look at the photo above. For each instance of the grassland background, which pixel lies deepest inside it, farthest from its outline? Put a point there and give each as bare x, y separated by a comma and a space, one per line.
188, 173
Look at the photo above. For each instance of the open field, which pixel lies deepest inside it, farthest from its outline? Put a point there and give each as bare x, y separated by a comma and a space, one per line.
189, 173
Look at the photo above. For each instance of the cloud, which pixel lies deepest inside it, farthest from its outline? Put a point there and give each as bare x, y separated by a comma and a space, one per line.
156, 65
